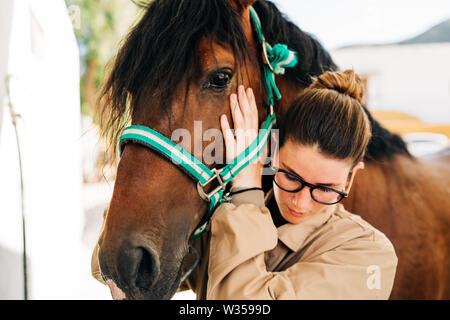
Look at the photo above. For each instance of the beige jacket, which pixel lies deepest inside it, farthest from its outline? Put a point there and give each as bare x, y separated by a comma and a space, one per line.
333, 255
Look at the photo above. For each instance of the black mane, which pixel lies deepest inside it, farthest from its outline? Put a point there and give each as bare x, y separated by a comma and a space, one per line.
277, 28
161, 51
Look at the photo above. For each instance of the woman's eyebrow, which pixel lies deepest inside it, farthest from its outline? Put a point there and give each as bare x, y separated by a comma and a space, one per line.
292, 171
318, 183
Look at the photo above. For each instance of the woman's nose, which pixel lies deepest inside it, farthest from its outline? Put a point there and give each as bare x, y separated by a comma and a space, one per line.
302, 199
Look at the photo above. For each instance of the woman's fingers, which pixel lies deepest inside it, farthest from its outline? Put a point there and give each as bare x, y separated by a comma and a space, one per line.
243, 101
245, 118
248, 107
253, 109
238, 118
228, 137
226, 130
252, 102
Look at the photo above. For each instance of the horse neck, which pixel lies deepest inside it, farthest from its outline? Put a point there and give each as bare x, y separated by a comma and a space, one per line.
290, 90
388, 186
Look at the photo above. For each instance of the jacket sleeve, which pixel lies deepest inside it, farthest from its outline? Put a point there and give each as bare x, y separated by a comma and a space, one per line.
240, 234
243, 228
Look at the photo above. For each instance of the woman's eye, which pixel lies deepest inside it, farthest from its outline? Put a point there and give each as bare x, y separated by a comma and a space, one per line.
290, 177
219, 80
324, 190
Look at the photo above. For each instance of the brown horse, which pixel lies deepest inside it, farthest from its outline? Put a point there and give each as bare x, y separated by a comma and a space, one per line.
179, 64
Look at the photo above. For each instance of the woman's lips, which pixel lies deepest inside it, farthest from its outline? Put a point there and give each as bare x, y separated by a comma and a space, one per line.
295, 213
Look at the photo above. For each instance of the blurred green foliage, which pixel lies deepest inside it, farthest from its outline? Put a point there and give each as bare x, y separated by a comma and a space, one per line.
99, 27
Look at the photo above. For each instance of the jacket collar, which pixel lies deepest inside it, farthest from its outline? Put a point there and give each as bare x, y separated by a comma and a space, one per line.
294, 235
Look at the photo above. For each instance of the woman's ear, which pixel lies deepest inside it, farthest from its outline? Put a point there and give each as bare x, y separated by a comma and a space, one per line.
359, 165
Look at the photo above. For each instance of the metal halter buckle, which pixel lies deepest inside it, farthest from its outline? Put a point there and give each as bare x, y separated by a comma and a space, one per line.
222, 185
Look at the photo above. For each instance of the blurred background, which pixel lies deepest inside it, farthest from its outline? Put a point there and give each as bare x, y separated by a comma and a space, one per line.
53, 58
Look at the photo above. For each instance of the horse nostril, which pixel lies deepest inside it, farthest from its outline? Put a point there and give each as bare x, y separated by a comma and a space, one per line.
137, 268
147, 271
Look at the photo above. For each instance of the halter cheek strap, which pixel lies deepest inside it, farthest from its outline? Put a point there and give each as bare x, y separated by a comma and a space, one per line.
275, 59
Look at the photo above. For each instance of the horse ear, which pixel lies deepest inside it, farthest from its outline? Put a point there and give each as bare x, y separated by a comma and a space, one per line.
241, 4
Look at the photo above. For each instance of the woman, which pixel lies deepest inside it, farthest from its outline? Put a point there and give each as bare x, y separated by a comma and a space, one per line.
308, 246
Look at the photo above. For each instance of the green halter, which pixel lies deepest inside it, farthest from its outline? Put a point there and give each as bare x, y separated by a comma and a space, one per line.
276, 58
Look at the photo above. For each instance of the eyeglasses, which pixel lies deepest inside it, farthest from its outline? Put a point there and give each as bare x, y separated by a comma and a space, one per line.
289, 182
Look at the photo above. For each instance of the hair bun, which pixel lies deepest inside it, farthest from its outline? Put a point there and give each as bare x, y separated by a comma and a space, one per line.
346, 82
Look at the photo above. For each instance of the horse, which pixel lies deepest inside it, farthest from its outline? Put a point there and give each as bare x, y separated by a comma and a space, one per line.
178, 65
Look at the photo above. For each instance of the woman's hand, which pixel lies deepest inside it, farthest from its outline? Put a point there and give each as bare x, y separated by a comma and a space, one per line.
245, 119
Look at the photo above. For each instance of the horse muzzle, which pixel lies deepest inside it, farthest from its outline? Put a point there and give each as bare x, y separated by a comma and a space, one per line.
134, 267
134, 271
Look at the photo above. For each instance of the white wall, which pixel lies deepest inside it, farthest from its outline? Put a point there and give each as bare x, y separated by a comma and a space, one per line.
6, 11
414, 79
44, 63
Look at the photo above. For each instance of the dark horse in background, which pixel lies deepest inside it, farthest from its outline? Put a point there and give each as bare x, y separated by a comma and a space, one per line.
179, 64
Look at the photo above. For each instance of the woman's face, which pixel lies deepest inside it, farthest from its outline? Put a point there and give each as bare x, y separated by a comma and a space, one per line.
313, 167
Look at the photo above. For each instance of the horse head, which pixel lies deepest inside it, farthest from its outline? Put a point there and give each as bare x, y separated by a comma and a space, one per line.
174, 73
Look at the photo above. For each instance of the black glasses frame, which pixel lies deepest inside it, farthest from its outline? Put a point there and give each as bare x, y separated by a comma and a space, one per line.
311, 186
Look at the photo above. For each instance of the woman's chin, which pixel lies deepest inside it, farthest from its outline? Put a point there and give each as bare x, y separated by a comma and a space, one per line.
294, 217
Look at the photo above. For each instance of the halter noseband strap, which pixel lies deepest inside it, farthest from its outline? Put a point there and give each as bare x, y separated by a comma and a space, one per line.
275, 59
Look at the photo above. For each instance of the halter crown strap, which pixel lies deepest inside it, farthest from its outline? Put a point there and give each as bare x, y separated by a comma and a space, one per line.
276, 59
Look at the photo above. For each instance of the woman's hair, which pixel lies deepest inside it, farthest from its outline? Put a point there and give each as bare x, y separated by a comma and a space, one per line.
329, 114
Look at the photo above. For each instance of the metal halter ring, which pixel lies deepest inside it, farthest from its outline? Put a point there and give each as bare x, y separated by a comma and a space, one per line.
265, 55
207, 196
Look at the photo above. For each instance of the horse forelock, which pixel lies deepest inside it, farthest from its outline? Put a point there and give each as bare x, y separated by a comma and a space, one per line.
160, 53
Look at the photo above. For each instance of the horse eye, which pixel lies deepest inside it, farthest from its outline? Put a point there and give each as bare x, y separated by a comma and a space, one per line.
219, 80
